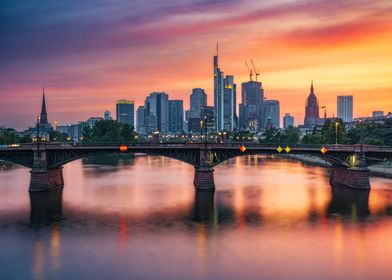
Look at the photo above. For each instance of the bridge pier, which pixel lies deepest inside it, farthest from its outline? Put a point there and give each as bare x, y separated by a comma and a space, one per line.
46, 179
356, 177
204, 179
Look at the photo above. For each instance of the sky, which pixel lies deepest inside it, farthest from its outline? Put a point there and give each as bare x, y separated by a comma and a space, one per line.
89, 53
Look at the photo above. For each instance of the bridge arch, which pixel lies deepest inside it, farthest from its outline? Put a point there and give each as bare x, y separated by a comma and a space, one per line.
24, 158
219, 157
56, 159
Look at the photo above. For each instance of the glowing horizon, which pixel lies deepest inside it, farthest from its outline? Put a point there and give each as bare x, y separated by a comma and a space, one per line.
89, 56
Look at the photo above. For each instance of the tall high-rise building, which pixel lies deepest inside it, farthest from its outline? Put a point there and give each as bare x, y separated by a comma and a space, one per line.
125, 110
198, 99
271, 114
157, 105
141, 120
230, 104
224, 99
176, 116
312, 109
345, 108
207, 115
218, 95
288, 120
145, 123
251, 107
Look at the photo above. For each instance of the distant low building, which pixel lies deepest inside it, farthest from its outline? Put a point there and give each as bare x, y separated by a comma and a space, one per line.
107, 116
288, 121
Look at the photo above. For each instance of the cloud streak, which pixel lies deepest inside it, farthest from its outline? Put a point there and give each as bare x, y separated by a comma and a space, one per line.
103, 50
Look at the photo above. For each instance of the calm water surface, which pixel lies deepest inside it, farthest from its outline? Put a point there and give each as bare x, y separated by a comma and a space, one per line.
141, 219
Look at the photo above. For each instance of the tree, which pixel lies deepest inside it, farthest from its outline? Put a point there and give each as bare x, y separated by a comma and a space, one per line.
291, 135
9, 136
330, 130
107, 131
312, 139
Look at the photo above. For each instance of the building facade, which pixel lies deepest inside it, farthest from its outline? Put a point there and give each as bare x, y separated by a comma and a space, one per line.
198, 99
288, 120
176, 116
157, 106
125, 110
311, 109
218, 95
229, 104
345, 108
251, 107
271, 114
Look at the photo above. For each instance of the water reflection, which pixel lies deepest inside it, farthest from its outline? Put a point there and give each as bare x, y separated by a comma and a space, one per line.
104, 164
45, 207
349, 202
143, 220
203, 208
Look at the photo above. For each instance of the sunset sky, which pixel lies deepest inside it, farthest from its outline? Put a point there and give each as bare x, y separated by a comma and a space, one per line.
90, 53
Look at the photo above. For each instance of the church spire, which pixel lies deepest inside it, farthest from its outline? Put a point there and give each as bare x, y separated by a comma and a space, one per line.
44, 115
311, 88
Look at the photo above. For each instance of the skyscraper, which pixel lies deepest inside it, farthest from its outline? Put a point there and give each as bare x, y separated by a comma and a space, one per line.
224, 99
271, 114
218, 94
176, 116
288, 120
125, 110
198, 99
157, 105
345, 108
230, 104
311, 109
145, 123
251, 108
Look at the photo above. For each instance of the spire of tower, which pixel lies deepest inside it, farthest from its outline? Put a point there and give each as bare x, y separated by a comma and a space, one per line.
44, 115
217, 49
311, 88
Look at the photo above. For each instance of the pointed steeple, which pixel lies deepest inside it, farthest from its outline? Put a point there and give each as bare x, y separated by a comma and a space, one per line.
311, 88
44, 115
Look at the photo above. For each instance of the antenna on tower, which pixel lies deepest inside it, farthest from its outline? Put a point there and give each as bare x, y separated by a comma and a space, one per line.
217, 48
249, 70
257, 73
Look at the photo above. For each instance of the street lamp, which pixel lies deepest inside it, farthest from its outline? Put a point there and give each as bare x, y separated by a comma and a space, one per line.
38, 122
336, 132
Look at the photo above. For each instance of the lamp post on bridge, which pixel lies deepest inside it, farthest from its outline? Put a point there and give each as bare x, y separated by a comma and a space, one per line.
336, 132
38, 122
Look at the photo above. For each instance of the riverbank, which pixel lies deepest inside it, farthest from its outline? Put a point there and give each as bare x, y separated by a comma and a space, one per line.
378, 170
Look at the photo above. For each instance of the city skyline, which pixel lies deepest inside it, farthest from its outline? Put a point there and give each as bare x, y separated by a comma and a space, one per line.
346, 54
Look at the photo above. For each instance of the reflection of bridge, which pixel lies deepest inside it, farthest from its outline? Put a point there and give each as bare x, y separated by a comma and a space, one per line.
46, 160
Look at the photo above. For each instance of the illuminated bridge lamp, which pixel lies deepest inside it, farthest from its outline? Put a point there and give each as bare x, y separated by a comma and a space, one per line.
123, 148
279, 149
287, 149
242, 148
324, 150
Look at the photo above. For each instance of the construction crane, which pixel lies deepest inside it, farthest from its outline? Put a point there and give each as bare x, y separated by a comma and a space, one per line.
249, 70
257, 73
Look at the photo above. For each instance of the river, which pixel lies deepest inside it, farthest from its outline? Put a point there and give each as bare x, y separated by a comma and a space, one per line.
140, 218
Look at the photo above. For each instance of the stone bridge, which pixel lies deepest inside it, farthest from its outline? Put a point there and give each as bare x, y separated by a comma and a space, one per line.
349, 162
